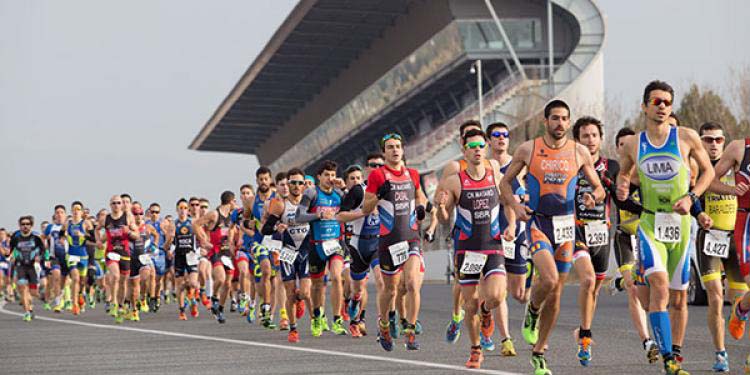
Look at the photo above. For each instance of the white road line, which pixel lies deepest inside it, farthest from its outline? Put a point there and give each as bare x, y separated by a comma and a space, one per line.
265, 345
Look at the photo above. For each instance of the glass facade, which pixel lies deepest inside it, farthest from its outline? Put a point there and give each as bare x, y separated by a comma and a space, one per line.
484, 36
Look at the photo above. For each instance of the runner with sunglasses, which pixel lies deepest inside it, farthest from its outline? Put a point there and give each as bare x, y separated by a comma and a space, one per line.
141, 263
204, 265
453, 329
244, 224
262, 256
553, 163
182, 235
117, 227
395, 191
660, 156
27, 250
55, 266
479, 257
77, 258
163, 275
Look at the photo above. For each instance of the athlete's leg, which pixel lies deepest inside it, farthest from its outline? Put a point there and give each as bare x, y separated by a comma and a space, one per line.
413, 282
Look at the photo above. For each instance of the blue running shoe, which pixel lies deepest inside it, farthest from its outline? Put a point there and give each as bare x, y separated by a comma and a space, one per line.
393, 326
384, 337
353, 308
486, 342
722, 362
584, 351
418, 327
453, 331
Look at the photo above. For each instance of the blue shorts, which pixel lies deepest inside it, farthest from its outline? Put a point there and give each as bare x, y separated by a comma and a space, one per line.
364, 255
300, 268
159, 259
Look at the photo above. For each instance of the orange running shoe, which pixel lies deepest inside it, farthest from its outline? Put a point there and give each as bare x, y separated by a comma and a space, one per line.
475, 358
736, 325
194, 310
76, 310
293, 336
487, 325
182, 316
283, 324
299, 310
354, 330
344, 314
206, 302
81, 300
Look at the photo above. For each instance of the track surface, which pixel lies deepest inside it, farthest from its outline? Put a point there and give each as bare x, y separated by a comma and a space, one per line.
159, 343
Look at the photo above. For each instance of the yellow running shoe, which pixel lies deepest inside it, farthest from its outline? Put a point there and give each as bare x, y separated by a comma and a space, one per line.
508, 350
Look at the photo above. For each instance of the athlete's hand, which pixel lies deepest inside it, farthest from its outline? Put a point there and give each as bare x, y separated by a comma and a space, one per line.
206, 245
509, 235
281, 227
421, 213
523, 212
339, 183
442, 198
384, 189
682, 206
623, 189
741, 189
327, 215
705, 221
588, 200
429, 237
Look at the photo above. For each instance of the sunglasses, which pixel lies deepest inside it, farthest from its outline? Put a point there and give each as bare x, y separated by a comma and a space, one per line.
713, 139
296, 182
375, 165
27, 224
115, 203
195, 204
474, 145
204, 207
389, 136
658, 101
498, 134
140, 214
155, 212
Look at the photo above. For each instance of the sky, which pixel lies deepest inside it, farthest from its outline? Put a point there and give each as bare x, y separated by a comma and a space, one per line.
100, 98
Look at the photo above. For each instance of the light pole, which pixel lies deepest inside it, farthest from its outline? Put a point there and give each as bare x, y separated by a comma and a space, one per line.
476, 68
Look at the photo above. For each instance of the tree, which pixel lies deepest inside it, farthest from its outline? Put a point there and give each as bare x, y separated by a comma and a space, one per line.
699, 107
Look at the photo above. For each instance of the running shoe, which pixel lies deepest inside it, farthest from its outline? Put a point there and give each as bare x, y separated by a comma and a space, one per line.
410, 340
354, 330
250, 314
324, 323
134, 316
194, 310
242, 306
220, 317
540, 365
362, 327
453, 331
144, 306
672, 367
530, 328
486, 342
722, 362
215, 307
293, 336
182, 316
353, 308
76, 310
119, 316
747, 365
393, 326
233, 306
92, 302
47, 306
338, 327
614, 286
27, 317
299, 309
507, 349
68, 305
384, 337
475, 359
81, 300
487, 325
58, 307
736, 326
584, 350
283, 324
652, 350
316, 327
418, 327
344, 314
205, 300
113, 310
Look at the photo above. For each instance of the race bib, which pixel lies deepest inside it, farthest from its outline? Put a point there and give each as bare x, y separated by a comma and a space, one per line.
287, 255
716, 244
191, 258
473, 263
227, 262
271, 244
667, 227
634, 247
113, 256
564, 228
145, 259
4, 265
73, 260
330, 247
399, 252
597, 234
509, 249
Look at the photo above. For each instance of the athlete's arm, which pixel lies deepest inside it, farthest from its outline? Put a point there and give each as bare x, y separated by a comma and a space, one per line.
349, 204
207, 220
587, 167
302, 215
728, 161
168, 235
375, 182
520, 159
445, 197
705, 170
627, 164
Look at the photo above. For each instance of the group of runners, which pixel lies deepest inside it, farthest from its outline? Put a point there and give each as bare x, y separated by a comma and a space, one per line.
519, 225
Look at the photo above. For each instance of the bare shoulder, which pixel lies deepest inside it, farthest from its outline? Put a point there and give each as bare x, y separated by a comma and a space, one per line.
451, 168
523, 152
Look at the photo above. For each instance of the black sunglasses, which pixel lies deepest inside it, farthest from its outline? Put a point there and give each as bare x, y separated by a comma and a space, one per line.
375, 165
26, 224
296, 182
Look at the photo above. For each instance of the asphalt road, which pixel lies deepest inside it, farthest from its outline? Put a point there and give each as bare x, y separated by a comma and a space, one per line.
159, 343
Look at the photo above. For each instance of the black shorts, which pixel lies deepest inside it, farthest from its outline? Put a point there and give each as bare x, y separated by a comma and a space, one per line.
136, 265
710, 266
181, 268
318, 260
26, 275
387, 265
624, 255
364, 253
494, 265
517, 265
599, 255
